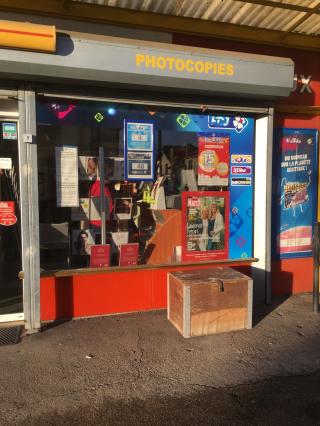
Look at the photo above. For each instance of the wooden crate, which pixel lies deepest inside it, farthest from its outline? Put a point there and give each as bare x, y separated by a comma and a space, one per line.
209, 301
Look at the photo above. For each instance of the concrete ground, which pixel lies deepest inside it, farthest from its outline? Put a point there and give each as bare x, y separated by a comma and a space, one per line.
137, 369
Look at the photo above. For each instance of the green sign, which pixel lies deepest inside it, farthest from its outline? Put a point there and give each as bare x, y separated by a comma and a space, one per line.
9, 131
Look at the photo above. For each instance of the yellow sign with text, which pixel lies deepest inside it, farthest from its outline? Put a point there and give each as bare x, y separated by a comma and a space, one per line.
170, 63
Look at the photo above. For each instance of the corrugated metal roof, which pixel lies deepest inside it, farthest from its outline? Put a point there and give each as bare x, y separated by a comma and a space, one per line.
289, 16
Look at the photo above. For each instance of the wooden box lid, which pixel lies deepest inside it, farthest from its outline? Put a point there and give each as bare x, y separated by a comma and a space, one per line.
212, 275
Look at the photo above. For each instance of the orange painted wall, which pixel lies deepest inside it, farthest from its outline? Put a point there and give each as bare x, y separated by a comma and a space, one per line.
106, 293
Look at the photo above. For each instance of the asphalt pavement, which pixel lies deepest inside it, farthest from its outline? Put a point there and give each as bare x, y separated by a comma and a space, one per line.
137, 369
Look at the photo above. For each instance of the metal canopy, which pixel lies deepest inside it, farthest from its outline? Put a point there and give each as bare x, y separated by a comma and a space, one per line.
154, 65
286, 23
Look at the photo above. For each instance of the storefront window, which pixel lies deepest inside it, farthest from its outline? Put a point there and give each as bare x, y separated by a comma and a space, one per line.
178, 184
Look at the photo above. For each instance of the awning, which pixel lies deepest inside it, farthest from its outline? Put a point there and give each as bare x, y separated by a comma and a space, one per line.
123, 61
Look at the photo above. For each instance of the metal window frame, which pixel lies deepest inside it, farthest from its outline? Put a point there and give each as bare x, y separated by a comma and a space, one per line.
29, 208
29, 187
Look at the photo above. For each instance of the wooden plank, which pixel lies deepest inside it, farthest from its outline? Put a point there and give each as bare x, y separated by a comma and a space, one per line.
92, 271
186, 312
175, 297
208, 298
204, 323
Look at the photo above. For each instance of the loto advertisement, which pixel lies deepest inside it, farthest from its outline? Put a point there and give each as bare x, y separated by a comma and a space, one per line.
296, 200
213, 159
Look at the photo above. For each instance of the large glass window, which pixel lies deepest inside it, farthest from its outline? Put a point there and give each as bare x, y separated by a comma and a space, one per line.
178, 184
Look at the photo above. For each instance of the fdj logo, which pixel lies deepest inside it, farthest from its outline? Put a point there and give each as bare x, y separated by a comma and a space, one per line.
236, 123
183, 120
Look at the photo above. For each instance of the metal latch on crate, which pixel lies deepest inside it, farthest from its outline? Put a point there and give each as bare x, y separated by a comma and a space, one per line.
220, 285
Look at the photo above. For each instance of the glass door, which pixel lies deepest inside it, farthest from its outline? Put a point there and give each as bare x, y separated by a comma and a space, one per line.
11, 289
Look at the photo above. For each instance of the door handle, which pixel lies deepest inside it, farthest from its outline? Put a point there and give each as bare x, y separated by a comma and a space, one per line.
21, 275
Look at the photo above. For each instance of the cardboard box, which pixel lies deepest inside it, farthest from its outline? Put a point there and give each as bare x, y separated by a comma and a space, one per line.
209, 301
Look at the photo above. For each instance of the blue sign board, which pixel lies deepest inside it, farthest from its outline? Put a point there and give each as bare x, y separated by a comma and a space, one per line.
139, 136
296, 198
237, 123
139, 151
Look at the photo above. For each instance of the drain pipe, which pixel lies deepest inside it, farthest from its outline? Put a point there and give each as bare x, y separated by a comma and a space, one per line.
316, 252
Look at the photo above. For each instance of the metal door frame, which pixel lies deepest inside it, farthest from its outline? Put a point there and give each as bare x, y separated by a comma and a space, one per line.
12, 117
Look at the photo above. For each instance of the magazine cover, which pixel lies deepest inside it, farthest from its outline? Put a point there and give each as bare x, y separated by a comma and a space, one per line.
88, 168
205, 225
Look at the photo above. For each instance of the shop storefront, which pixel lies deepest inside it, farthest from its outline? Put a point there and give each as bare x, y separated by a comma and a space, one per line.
295, 115
135, 160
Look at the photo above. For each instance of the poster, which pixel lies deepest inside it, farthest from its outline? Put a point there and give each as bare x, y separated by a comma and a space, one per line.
100, 256
7, 213
83, 240
9, 131
139, 165
213, 159
139, 151
67, 176
296, 196
88, 168
139, 136
129, 254
205, 225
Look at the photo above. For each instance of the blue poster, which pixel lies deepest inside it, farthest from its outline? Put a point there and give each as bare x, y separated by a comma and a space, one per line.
296, 197
139, 136
139, 151
139, 165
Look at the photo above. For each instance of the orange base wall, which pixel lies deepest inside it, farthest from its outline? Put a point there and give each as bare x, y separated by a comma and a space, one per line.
290, 276
107, 292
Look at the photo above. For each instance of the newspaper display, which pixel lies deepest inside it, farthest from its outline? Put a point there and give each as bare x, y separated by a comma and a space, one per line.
205, 225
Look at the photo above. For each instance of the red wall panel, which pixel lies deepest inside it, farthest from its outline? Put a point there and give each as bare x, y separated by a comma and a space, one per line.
106, 293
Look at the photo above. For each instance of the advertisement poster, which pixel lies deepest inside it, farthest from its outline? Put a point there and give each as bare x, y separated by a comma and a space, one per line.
213, 159
9, 131
139, 151
67, 176
7, 213
88, 168
139, 136
296, 195
205, 225
139, 165
129, 254
100, 256
83, 241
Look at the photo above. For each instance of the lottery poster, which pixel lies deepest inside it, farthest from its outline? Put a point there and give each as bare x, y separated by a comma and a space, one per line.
296, 195
213, 159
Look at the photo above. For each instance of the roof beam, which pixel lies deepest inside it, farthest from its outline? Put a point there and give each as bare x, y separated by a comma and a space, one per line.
315, 9
159, 22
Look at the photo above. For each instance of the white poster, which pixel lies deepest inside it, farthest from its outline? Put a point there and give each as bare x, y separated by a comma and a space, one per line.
67, 176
